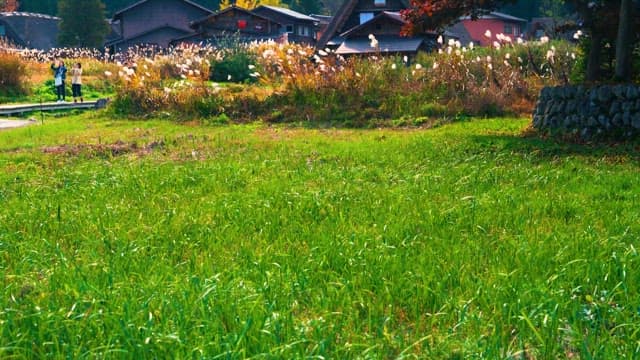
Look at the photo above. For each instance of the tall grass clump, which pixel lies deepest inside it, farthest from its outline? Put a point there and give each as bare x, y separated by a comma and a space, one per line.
454, 81
13, 75
175, 83
291, 82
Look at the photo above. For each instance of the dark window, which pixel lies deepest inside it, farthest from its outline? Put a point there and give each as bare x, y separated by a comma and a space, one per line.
508, 29
289, 29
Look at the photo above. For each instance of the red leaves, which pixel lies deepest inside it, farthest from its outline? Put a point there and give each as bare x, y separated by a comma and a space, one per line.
435, 14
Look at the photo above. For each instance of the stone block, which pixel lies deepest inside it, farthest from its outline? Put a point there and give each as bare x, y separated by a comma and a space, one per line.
605, 93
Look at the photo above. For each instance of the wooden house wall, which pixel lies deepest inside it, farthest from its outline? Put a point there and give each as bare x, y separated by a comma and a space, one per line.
156, 13
228, 21
161, 37
384, 26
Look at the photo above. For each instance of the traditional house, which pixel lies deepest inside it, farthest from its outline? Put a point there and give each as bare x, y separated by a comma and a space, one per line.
299, 28
29, 30
262, 23
154, 22
494, 23
350, 29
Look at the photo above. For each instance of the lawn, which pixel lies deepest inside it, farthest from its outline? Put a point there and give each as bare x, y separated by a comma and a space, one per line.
131, 239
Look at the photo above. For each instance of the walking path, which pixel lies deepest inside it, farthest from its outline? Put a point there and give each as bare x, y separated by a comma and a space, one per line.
10, 124
50, 106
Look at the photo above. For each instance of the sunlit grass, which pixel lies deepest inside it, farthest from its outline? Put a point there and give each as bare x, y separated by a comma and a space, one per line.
465, 241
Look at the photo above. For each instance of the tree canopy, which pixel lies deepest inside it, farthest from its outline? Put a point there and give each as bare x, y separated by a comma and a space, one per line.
82, 24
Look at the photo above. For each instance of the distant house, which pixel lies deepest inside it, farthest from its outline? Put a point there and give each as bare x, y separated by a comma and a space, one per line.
299, 28
153, 22
29, 30
475, 31
350, 28
262, 23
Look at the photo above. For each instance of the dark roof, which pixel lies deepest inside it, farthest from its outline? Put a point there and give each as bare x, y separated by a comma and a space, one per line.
213, 40
386, 44
323, 19
29, 15
31, 30
459, 31
287, 12
339, 19
395, 16
497, 15
146, 32
119, 12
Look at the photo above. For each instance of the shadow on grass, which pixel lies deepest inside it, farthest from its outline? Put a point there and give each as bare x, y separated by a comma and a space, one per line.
548, 148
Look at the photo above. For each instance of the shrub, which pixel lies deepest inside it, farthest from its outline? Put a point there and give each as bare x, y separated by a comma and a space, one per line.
233, 67
13, 75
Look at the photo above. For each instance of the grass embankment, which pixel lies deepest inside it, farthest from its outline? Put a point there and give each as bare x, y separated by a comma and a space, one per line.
157, 240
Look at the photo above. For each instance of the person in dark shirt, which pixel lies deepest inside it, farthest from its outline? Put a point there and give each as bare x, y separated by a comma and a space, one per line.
59, 76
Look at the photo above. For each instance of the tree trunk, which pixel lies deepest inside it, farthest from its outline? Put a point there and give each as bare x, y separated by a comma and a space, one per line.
623, 42
594, 60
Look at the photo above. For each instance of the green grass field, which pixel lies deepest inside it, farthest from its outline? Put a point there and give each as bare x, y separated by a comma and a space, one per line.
131, 239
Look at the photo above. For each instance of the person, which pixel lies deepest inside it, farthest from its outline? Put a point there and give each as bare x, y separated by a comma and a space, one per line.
59, 76
76, 82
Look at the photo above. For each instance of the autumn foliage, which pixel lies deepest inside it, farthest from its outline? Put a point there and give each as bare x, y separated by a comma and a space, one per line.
434, 14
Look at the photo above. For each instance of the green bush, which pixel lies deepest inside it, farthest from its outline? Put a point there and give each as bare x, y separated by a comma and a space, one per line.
233, 67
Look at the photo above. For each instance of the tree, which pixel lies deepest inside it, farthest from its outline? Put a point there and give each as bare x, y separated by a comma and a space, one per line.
305, 6
41, 6
624, 41
82, 24
8, 5
424, 15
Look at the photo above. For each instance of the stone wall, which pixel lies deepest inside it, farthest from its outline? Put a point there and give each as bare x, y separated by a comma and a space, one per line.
607, 110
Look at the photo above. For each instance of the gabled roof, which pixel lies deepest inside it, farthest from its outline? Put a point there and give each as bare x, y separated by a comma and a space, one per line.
287, 12
31, 30
339, 19
29, 15
394, 16
188, 2
323, 19
459, 31
497, 15
194, 24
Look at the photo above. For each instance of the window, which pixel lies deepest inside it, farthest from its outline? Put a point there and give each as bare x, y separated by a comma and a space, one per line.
3, 32
365, 16
380, 2
508, 29
289, 29
303, 30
